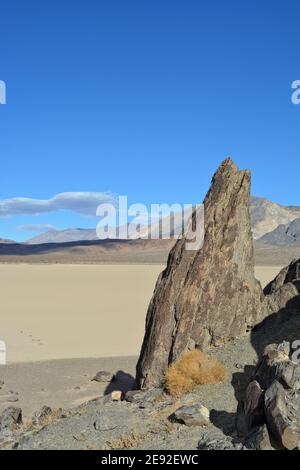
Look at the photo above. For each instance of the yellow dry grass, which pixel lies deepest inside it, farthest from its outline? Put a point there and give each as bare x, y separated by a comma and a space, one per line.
193, 368
127, 441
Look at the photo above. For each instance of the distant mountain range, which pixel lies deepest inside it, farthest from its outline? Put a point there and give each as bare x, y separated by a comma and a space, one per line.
266, 216
64, 236
5, 241
283, 235
158, 229
276, 231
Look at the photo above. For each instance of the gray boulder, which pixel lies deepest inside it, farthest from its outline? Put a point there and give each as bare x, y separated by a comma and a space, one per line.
195, 415
104, 376
10, 419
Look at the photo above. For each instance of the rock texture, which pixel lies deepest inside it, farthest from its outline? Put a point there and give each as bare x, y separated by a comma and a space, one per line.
11, 419
284, 291
273, 399
283, 430
209, 296
195, 415
104, 376
276, 365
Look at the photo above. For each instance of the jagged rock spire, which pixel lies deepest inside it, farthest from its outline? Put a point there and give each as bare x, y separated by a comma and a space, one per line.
210, 296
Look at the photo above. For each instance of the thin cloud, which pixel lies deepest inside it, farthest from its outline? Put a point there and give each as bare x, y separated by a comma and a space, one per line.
83, 203
40, 228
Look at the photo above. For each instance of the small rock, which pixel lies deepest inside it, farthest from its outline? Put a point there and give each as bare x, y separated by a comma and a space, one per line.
117, 395
195, 415
103, 423
239, 366
11, 419
40, 415
12, 399
77, 388
103, 376
1, 383
219, 443
145, 398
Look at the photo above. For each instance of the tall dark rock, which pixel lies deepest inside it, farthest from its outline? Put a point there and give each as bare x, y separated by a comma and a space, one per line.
209, 296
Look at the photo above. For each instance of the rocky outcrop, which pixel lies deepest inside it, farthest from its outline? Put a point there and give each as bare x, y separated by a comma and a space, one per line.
10, 420
283, 293
209, 296
273, 398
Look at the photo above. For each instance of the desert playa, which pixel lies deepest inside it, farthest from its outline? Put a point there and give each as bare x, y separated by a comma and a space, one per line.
78, 311
63, 323
64, 311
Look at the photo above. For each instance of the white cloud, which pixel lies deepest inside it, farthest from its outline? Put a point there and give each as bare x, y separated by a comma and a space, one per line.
80, 202
40, 228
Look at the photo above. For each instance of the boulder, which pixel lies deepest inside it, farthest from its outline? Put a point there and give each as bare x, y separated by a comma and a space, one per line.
209, 296
41, 415
283, 293
284, 432
288, 274
104, 376
195, 415
10, 419
103, 423
276, 365
219, 442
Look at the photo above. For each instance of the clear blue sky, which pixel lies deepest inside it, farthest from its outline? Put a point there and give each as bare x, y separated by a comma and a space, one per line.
145, 98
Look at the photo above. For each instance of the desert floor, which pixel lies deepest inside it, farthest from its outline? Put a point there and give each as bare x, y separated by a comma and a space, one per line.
63, 323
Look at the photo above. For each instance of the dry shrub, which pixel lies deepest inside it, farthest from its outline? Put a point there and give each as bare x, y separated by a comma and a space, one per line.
191, 369
128, 441
50, 418
30, 424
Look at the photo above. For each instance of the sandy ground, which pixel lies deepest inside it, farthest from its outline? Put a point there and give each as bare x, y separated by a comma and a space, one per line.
73, 311
265, 274
58, 321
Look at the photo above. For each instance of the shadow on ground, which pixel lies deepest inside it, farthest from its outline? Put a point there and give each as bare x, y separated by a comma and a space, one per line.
122, 381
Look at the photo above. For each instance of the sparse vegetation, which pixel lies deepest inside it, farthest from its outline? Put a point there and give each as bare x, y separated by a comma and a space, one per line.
128, 441
193, 368
30, 424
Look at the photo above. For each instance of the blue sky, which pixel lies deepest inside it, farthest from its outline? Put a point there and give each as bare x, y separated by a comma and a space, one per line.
145, 98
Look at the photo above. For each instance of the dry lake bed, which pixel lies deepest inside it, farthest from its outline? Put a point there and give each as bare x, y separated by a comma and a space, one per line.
58, 321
